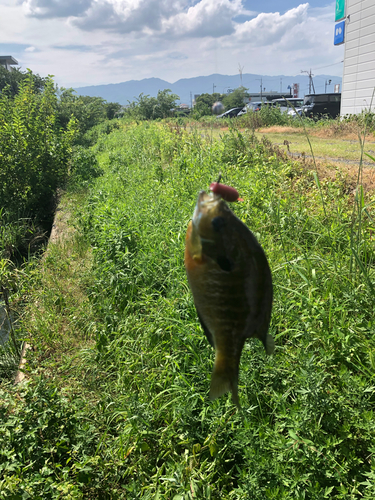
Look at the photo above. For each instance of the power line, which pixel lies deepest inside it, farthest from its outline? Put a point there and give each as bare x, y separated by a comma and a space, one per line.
329, 65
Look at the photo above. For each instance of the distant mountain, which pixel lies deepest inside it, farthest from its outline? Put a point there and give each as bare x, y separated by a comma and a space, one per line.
186, 88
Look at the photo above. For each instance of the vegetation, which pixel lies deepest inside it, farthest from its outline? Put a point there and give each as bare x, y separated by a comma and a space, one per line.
204, 102
236, 98
10, 81
151, 108
39, 126
87, 111
328, 145
117, 400
34, 155
37, 134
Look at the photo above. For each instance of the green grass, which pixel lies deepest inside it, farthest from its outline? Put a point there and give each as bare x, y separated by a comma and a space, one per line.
325, 148
332, 140
117, 400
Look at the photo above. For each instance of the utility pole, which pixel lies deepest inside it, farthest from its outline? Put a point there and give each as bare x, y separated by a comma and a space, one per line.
325, 85
311, 83
281, 85
261, 87
240, 69
191, 100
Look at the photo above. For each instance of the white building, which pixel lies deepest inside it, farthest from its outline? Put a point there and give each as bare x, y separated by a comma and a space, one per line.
359, 60
7, 62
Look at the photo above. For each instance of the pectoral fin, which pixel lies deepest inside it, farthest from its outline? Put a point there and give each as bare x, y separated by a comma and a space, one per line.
194, 242
206, 330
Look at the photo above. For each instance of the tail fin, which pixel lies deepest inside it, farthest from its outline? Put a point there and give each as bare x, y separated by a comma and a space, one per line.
224, 379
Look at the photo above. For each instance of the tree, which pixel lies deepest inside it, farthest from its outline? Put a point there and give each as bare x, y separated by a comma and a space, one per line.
150, 108
204, 103
88, 111
112, 109
165, 102
10, 81
236, 98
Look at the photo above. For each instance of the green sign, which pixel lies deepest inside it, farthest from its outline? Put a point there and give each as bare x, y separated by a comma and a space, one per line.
340, 10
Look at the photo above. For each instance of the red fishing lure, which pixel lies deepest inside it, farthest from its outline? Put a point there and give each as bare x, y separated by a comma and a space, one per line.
226, 192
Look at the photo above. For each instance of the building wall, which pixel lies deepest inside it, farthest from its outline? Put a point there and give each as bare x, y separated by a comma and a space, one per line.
359, 60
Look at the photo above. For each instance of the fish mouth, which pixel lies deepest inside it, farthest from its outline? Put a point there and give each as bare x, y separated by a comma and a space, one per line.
205, 211
205, 203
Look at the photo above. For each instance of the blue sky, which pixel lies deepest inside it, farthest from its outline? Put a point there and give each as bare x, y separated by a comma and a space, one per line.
89, 42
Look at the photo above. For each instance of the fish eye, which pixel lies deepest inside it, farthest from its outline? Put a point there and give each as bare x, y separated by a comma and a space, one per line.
218, 223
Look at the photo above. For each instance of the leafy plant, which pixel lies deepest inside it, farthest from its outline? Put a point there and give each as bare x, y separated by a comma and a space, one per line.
11, 81
33, 153
87, 111
84, 167
151, 108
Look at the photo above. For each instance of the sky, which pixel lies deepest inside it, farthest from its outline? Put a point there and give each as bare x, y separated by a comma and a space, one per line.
95, 42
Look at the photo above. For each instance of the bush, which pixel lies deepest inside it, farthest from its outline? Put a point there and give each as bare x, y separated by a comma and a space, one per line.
87, 111
104, 128
34, 154
10, 81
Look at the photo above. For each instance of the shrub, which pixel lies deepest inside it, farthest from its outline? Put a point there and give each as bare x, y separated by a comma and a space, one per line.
33, 152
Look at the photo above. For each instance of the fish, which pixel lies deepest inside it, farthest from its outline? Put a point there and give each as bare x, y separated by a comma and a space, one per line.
231, 283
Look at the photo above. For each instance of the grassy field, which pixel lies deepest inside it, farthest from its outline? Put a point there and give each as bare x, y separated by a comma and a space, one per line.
116, 404
332, 143
327, 148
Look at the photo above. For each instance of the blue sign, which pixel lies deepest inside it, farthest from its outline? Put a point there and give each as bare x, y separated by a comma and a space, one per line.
339, 37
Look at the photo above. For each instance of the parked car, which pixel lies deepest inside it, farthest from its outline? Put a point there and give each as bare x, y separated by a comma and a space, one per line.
256, 105
287, 103
231, 113
318, 105
244, 110
294, 112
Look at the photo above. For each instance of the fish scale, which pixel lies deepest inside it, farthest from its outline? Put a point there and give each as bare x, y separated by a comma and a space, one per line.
231, 282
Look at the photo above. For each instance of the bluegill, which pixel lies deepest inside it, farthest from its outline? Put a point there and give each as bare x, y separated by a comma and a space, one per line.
231, 282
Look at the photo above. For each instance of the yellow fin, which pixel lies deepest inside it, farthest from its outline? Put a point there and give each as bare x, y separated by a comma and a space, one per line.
194, 242
270, 344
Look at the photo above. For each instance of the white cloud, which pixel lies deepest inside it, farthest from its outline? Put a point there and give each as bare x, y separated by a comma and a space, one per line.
206, 18
168, 39
126, 16
269, 28
178, 17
